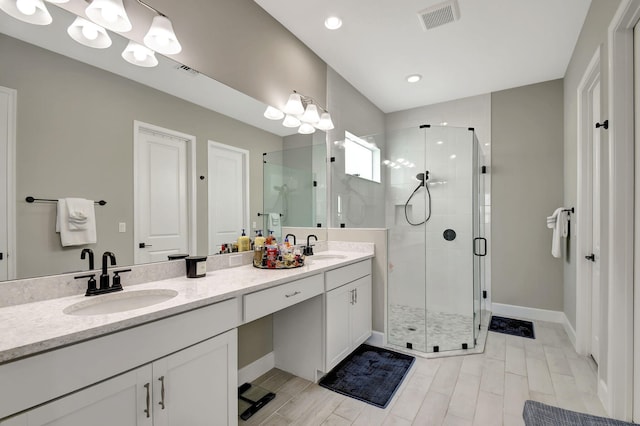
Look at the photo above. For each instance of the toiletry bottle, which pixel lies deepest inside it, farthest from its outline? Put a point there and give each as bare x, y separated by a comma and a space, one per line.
259, 240
244, 242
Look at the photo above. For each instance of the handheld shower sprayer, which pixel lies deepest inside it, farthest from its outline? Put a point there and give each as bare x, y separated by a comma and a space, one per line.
422, 179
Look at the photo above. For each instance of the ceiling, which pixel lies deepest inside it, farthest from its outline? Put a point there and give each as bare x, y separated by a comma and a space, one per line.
495, 45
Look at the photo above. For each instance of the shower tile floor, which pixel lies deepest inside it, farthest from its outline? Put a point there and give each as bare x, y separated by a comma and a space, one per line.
446, 330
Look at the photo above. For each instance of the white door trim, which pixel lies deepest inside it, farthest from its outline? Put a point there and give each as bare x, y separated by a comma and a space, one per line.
584, 205
246, 219
619, 403
11, 181
191, 181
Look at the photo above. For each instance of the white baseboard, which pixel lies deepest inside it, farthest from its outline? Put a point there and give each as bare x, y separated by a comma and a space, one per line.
568, 328
536, 315
256, 369
376, 339
528, 313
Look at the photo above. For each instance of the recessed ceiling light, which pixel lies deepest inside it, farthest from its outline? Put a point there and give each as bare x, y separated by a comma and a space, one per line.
440, 142
414, 78
453, 156
444, 123
333, 23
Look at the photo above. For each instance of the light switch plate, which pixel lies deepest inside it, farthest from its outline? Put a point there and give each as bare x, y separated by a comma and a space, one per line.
122, 227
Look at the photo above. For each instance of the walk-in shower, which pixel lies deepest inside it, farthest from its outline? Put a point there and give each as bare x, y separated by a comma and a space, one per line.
436, 239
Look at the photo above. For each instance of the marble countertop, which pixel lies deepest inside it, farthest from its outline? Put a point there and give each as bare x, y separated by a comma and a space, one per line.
32, 328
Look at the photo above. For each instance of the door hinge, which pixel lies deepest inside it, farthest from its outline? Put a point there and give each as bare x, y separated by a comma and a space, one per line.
484, 294
1, 256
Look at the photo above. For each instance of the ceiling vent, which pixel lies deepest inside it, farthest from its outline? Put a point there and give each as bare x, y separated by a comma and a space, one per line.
187, 69
439, 14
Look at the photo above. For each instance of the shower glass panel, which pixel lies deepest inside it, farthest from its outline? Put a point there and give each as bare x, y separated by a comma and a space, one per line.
434, 224
294, 192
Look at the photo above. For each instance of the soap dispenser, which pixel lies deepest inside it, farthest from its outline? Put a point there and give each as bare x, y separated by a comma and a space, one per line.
244, 242
260, 240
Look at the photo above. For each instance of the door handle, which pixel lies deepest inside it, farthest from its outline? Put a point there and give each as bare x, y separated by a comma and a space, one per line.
144, 245
591, 257
484, 252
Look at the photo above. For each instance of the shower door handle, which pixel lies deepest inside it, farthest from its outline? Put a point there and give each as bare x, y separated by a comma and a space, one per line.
475, 246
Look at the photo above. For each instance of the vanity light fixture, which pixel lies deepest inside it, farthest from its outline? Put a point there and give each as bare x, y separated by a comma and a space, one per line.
294, 105
301, 110
306, 129
290, 121
109, 14
140, 55
273, 113
89, 34
30, 11
310, 115
161, 36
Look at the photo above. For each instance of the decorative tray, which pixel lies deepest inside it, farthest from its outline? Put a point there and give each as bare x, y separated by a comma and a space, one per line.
280, 264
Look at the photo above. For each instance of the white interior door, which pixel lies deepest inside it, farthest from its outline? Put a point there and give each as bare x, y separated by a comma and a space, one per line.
595, 226
164, 199
7, 196
228, 194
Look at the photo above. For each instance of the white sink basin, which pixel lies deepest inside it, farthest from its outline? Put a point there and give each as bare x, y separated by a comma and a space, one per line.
309, 259
119, 302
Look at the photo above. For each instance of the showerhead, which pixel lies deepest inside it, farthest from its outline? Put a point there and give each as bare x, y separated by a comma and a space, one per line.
423, 177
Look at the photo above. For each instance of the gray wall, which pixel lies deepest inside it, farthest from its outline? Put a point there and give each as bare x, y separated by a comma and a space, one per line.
527, 159
75, 138
237, 43
592, 36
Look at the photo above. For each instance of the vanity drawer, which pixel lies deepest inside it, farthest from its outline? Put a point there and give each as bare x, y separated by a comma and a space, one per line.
341, 276
265, 302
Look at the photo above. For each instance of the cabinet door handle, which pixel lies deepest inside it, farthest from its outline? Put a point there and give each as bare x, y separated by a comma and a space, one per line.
295, 293
161, 403
147, 410
355, 295
352, 297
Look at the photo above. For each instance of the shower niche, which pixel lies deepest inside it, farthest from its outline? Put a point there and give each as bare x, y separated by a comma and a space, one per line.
436, 241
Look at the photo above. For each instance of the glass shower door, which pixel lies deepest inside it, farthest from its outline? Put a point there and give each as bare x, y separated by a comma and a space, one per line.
405, 209
449, 238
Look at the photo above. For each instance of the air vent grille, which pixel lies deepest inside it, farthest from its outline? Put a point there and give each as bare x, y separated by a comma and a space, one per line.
439, 14
187, 69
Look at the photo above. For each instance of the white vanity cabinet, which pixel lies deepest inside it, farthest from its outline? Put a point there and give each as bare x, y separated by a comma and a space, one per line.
194, 353
195, 386
347, 311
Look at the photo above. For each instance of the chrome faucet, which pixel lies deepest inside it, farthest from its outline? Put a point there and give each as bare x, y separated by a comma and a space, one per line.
308, 250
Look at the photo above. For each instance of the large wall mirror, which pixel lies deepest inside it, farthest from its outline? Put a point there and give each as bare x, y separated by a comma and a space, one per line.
77, 113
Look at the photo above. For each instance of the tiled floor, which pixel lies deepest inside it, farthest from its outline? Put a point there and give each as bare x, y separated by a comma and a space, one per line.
448, 331
485, 389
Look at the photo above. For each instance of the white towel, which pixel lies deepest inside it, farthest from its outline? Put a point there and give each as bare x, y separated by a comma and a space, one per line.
76, 222
559, 222
78, 213
275, 224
